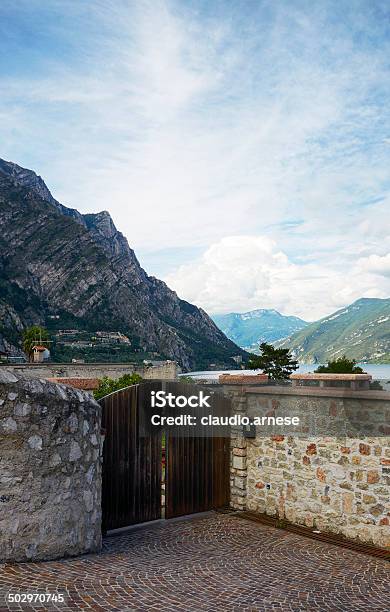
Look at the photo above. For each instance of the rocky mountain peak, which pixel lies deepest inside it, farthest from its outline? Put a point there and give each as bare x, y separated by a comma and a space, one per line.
55, 259
26, 178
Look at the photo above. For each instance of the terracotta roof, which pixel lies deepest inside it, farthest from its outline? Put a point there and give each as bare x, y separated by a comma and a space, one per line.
39, 347
86, 384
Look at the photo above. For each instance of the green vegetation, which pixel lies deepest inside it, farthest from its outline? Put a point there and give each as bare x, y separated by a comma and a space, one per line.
206, 351
342, 365
360, 331
34, 335
276, 362
187, 379
109, 385
98, 354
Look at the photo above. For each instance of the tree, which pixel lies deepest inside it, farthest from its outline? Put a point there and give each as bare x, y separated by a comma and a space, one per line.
342, 365
34, 335
109, 385
276, 362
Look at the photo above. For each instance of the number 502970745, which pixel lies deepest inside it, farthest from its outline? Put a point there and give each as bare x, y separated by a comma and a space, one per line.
31, 597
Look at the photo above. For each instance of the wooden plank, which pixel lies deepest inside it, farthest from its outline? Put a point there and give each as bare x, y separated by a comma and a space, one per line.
197, 466
131, 463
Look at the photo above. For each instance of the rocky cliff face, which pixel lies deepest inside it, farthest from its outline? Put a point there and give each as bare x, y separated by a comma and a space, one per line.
54, 259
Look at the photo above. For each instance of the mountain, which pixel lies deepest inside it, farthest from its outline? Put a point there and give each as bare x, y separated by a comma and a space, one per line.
360, 331
248, 329
54, 259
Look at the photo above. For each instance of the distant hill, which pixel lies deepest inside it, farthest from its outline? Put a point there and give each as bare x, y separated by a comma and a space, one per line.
248, 329
360, 331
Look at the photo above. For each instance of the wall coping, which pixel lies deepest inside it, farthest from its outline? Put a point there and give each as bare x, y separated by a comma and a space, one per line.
241, 379
328, 376
319, 392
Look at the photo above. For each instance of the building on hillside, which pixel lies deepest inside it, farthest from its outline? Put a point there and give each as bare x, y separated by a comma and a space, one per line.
40, 353
68, 332
154, 363
237, 358
112, 337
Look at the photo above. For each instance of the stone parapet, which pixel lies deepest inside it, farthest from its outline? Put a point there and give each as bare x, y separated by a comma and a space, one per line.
353, 381
272, 390
333, 483
166, 370
243, 379
50, 470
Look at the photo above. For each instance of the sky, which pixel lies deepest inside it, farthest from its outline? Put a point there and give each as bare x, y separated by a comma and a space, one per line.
242, 147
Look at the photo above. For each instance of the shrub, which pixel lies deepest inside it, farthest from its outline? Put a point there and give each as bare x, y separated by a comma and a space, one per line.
342, 365
109, 385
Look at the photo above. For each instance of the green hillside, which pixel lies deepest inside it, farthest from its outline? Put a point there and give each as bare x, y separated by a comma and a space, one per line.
360, 331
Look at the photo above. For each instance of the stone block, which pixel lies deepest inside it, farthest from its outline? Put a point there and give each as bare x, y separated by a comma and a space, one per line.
377, 510
347, 502
7, 377
321, 475
364, 449
239, 462
240, 482
311, 449
369, 499
373, 476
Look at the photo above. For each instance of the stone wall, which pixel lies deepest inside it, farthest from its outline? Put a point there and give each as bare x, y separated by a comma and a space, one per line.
165, 371
331, 483
238, 465
50, 470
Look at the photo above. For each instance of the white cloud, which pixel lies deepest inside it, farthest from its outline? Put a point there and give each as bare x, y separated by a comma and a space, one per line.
376, 264
194, 123
241, 273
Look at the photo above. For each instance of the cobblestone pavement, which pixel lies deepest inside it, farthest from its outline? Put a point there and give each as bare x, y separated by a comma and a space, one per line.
212, 563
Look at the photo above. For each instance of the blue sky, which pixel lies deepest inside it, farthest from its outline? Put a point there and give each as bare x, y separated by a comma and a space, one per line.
242, 147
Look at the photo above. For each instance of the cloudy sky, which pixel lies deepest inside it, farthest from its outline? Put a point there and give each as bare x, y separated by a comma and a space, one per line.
242, 146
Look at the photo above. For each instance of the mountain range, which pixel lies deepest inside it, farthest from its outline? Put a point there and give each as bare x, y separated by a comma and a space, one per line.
248, 329
360, 331
53, 259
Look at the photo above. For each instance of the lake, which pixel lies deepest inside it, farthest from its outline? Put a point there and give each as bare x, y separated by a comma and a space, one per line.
379, 371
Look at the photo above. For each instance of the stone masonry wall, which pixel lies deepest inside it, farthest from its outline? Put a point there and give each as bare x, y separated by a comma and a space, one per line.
335, 484
50, 470
165, 371
238, 465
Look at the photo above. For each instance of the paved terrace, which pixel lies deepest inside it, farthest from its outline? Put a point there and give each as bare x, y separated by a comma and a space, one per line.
211, 563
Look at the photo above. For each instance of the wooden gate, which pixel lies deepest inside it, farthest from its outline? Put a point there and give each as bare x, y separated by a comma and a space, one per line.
131, 487
197, 475
196, 467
